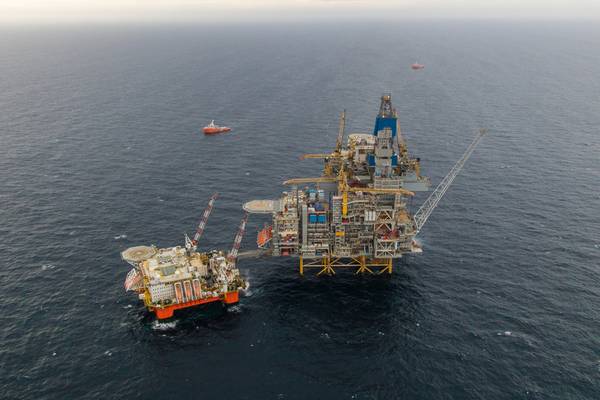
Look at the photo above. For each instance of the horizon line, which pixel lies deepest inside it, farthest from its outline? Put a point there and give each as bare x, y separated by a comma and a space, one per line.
283, 21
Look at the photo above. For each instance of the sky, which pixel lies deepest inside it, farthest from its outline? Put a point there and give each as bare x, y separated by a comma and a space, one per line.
161, 11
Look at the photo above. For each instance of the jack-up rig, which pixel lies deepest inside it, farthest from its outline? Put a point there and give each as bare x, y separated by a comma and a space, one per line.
178, 277
355, 215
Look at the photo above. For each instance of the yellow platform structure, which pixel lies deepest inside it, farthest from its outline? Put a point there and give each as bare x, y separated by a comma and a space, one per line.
327, 265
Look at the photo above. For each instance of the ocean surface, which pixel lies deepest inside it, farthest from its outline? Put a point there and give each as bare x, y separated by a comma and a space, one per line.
100, 149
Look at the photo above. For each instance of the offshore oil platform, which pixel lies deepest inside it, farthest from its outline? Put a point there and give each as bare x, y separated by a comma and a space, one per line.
178, 277
355, 215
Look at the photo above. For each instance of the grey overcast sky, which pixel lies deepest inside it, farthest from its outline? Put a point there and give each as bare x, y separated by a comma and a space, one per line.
160, 11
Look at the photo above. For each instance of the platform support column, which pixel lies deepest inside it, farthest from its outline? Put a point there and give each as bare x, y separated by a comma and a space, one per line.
362, 268
326, 267
389, 266
301, 266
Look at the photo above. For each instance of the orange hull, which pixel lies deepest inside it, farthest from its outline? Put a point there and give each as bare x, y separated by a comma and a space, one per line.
167, 312
213, 131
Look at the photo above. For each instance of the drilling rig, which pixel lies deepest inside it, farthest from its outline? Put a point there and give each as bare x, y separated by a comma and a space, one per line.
355, 215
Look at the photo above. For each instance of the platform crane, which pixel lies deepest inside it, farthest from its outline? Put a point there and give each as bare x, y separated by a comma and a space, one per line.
320, 179
192, 244
238, 240
343, 185
341, 129
432, 201
337, 153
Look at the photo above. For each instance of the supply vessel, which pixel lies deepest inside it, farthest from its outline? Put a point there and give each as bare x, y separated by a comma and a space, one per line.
356, 214
212, 129
174, 278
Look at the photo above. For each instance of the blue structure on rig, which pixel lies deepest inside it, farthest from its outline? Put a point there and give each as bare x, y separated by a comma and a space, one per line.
383, 160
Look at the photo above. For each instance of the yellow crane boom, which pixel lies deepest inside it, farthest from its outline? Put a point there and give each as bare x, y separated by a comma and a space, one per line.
338, 144
345, 187
321, 179
341, 129
381, 191
305, 156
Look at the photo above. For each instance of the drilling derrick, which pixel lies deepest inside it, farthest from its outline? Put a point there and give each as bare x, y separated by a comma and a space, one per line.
355, 214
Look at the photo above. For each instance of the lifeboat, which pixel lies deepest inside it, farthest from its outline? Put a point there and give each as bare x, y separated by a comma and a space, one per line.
417, 66
187, 287
197, 288
264, 236
212, 129
179, 293
416, 247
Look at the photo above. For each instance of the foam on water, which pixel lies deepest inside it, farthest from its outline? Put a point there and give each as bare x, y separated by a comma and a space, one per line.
236, 309
164, 326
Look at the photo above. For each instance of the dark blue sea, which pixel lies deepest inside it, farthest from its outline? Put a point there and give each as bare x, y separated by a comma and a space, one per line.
100, 149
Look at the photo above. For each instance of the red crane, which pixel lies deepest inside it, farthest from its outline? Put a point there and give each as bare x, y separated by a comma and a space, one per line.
192, 244
238, 239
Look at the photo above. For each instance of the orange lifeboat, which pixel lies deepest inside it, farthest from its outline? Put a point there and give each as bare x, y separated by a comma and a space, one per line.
187, 287
264, 236
212, 129
197, 288
179, 293
417, 66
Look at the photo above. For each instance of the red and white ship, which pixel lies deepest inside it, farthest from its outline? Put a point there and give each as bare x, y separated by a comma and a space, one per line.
212, 129
417, 66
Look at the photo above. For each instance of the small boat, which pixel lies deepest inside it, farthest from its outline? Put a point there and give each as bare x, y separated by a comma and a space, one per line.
264, 236
417, 66
211, 128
